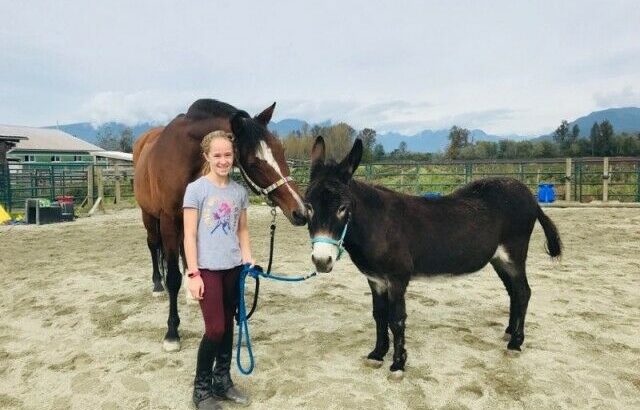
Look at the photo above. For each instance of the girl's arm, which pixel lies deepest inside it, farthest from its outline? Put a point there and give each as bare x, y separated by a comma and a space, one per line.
243, 237
190, 236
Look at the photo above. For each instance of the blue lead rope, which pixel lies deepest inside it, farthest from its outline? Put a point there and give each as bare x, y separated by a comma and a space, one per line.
243, 323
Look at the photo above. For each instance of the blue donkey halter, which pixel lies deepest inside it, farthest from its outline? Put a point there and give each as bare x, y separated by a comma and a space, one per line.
339, 243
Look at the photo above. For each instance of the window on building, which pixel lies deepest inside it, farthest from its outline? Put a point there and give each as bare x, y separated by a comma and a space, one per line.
77, 158
29, 158
55, 158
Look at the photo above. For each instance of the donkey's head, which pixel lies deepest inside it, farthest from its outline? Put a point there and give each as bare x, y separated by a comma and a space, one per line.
329, 203
260, 157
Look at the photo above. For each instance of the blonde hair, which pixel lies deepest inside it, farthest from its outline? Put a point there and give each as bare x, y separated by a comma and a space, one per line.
205, 145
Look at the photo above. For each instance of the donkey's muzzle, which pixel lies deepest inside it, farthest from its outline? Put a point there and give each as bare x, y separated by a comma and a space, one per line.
323, 264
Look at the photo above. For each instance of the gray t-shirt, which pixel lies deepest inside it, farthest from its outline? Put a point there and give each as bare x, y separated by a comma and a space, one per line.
218, 214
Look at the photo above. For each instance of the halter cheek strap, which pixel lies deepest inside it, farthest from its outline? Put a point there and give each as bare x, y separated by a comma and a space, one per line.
339, 243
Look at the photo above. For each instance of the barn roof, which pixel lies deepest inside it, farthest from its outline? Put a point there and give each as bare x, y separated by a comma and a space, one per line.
45, 139
125, 156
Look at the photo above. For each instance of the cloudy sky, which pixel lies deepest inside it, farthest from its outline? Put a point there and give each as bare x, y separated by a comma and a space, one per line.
501, 66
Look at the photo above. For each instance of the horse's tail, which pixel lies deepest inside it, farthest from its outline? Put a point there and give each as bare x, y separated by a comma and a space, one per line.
554, 244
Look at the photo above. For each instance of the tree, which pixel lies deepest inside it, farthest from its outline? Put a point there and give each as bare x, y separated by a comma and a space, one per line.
368, 137
378, 152
605, 142
458, 138
106, 139
125, 143
562, 135
594, 136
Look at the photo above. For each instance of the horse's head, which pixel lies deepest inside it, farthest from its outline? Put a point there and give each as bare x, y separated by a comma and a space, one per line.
329, 203
260, 157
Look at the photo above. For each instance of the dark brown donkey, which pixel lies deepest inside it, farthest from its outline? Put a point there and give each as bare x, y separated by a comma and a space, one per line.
167, 159
392, 238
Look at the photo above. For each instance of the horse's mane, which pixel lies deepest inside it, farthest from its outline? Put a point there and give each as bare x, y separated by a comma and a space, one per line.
209, 108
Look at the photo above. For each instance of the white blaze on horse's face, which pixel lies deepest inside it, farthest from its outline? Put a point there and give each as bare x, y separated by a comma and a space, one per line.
324, 255
264, 153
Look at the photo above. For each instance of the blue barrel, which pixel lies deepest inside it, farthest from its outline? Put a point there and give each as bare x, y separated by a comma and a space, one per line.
546, 193
432, 195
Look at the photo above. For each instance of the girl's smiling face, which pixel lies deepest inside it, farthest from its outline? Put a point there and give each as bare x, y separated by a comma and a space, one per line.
220, 156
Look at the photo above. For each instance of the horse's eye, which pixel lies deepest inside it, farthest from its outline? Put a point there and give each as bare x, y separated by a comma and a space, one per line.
309, 208
342, 211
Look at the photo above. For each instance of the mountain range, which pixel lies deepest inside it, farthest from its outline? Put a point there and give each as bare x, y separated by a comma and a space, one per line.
623, 120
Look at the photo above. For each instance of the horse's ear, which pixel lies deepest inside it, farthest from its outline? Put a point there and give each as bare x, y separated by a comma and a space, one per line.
265, 116
237, 123
351, 162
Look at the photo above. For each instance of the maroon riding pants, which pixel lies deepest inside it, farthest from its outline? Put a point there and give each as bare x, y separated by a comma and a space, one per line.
219, 301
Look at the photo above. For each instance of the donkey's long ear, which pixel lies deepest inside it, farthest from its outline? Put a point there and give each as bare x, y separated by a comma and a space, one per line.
317, 156
317, 152
265, 116
349, 165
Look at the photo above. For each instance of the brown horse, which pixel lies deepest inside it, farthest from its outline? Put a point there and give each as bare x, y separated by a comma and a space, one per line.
167, 159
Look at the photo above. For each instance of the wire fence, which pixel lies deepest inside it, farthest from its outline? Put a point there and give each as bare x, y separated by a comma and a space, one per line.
581, 179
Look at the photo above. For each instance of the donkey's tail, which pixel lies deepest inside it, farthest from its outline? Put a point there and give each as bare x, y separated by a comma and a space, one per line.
554, 245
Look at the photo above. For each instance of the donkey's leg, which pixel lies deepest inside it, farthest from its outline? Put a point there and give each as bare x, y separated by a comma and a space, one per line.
514, 274
506, 280
522, 293
170, 230
397, 316
151, 224
381, 316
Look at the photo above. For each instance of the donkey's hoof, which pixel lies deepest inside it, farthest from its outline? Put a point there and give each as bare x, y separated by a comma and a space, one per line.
171, 345
506, 337
373, 363
396, 375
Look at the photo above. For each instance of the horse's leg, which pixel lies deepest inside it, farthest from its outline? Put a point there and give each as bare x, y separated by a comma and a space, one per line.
154, 243
170, 230
397, 316
506, 280
381, 316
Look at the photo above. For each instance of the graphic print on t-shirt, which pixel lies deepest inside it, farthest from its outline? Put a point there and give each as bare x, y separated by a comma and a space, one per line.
217, 216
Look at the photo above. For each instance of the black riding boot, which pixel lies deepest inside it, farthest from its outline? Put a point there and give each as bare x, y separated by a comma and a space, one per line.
222, 384
203, 395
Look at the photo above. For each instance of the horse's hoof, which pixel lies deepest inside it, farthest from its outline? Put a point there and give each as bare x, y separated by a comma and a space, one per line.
171, 346
396, 375
157, 293
506, 337
373, 363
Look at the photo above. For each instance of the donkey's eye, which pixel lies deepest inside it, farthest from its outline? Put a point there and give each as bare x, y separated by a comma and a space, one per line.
342, 211
309, 208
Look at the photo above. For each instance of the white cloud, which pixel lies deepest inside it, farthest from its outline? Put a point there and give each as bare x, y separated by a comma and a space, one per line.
626, 97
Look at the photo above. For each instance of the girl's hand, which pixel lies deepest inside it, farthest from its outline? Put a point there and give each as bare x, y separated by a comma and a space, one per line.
250, 261
196, 287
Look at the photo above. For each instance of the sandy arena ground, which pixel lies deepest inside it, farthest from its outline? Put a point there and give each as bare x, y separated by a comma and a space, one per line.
81, 330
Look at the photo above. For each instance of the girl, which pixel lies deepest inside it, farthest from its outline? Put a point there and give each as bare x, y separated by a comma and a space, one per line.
216, 243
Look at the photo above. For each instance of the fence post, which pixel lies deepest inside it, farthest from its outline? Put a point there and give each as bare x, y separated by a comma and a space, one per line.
100, 182
605, 179
468, 172
417, 179
90, 186
567, 181
52, 195
637, 181
117, 188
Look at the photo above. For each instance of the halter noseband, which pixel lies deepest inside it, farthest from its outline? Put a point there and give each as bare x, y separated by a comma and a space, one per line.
263, 191
339, 243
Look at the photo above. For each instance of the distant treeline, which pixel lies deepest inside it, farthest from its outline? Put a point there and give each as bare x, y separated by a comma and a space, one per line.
603, 141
